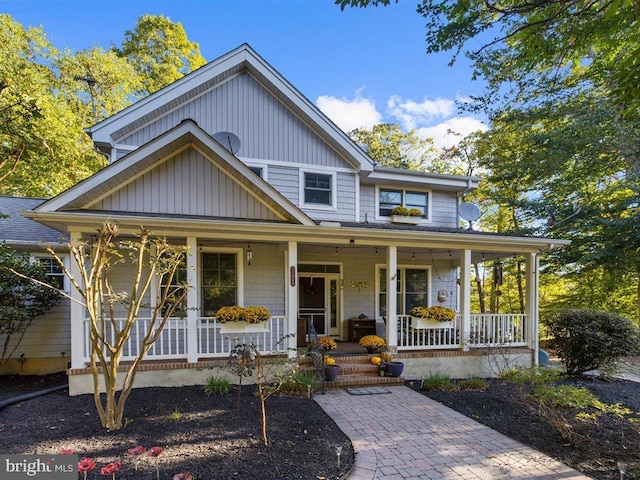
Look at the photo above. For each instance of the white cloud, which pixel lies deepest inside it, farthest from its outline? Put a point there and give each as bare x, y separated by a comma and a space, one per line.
348, 114
411, 114
460, 125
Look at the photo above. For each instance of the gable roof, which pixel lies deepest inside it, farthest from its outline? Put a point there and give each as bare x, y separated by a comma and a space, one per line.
132, 166
241, 59
18, 230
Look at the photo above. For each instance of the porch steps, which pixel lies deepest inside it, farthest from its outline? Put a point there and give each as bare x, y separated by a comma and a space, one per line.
355, 371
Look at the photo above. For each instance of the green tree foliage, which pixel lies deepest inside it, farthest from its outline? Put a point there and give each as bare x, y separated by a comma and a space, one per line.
590, 339
43, 149
160, 52
21, 299
389, 146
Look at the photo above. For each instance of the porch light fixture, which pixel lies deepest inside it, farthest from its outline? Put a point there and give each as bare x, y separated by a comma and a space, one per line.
336, 250
376, 250
249, 254
413, 256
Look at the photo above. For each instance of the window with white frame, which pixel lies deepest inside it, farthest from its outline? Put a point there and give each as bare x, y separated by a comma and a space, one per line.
53, 270
412, 284
318, 189
219, 285
389, 198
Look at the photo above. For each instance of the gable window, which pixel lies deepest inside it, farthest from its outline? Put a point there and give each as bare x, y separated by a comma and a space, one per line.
257, 171
412, 286
219, 287
318, 189
389, 198
53, 270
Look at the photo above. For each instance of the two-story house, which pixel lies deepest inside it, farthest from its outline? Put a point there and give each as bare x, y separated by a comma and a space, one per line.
281, 209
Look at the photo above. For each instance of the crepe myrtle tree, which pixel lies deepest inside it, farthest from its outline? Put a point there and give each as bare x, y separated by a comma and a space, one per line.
21, 299
113, 314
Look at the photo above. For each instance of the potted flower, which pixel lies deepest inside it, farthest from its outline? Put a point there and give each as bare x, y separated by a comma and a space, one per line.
327, 343
243, 319
331, 369
389, 366
411, 216
372, 343
435, 316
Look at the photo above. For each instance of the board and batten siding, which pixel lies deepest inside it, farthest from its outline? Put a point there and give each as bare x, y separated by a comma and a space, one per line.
266, 128
443, 207
187, 184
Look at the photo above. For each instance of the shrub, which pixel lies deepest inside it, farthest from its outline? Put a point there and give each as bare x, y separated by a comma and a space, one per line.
301, 384
589, 339
440, 382
216, 386
473, 383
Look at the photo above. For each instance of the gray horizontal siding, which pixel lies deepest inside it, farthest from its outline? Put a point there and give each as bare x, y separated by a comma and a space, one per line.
187, 184
266, 128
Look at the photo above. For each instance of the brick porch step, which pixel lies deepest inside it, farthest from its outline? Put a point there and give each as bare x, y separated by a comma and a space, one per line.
355, 371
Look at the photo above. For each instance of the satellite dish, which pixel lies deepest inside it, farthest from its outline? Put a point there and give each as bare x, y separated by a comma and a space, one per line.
469, 212
228, 140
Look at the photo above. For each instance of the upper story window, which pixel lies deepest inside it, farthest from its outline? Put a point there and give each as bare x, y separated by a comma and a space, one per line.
54, 271
318, 189
389, 198
257, 171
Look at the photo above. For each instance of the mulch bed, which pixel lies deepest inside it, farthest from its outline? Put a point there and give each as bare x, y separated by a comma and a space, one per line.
199, 434
600, 444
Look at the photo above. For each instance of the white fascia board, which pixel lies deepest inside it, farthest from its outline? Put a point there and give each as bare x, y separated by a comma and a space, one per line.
431, 180
317, 234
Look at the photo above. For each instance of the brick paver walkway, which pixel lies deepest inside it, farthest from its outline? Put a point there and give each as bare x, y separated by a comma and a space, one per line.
404, 435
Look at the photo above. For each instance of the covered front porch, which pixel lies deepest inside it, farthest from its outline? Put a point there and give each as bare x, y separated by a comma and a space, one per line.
333, 279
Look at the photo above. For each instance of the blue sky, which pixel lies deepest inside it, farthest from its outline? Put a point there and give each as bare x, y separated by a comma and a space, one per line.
360, 66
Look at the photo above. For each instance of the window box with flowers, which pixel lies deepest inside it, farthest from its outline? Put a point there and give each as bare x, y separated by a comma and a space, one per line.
432, 317
405, 215
237, 319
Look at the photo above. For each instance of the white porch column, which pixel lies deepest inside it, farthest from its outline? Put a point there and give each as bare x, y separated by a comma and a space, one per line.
465, 298
392, 299
532, 264
291, 279
193, 307
77, 310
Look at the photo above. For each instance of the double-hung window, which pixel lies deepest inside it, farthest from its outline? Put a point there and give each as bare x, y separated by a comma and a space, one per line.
53, 270
389, 198
412, 285
219, 287
318, 189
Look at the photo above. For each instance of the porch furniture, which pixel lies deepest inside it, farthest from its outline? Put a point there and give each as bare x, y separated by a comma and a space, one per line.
301, 333
359, 327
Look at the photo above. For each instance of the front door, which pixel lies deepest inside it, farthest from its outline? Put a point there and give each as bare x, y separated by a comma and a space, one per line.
318, 300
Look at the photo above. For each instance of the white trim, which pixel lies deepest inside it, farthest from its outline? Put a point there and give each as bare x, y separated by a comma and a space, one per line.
404, 191
263, 166
66, 284
278, 163
239, 253
334, 189
356, 214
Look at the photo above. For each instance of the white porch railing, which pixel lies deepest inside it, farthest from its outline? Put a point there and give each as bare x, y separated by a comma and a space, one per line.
497, 330
173, 344
411, 338
213, 343
486, 330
